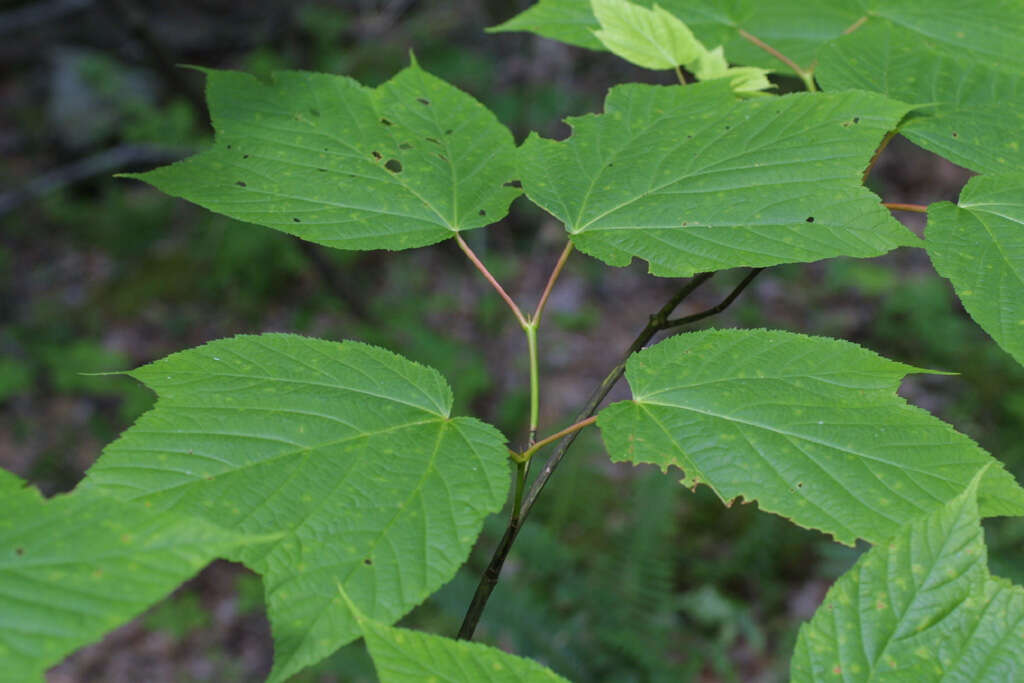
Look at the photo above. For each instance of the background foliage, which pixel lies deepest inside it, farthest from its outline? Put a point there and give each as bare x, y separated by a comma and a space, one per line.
98, 274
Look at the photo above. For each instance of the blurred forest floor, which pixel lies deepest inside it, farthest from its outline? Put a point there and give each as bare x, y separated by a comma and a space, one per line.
621, 574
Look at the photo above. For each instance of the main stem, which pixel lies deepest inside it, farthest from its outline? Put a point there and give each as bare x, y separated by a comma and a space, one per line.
657, 322
531, 345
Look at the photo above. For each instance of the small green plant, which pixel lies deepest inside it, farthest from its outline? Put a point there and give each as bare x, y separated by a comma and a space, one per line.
336, 471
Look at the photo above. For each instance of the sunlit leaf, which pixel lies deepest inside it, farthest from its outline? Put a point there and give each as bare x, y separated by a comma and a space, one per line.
651, 38
797, 28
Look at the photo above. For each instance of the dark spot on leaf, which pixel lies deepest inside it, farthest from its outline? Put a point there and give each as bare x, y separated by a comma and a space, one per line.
513, 183
482, 212
856, 119
325, 149
683, 224
448, 132
367, 561
239, 183
443, 157
688, 137
19, 551
955, 134
405, 145
322, 170
386, 122
728, 127
245, 156
433, 140
296, 220
229, 146
810, 219
610, 164
422, 100
315, 112
376, 155
799, 484
393, 165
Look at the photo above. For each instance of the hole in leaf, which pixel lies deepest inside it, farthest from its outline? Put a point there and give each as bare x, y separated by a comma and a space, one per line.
482, 212
513, 183
393, 165
239, 183
315, 112
386, 122
405, 145
810, 219
424, 101
296, 220
376, 155
367, 561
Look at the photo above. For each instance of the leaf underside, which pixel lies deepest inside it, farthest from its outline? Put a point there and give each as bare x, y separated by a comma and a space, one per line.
979, 245
324, 158
691, 179
345, 449
811, 428
81, 564
920, 607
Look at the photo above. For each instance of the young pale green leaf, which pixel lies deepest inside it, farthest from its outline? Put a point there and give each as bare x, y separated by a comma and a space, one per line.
809, 427
920, 608
81, 564
712, 64
319, 156
651, 38
404, 656
691, 179
797, 28
970, 108
346, 449
979, 245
